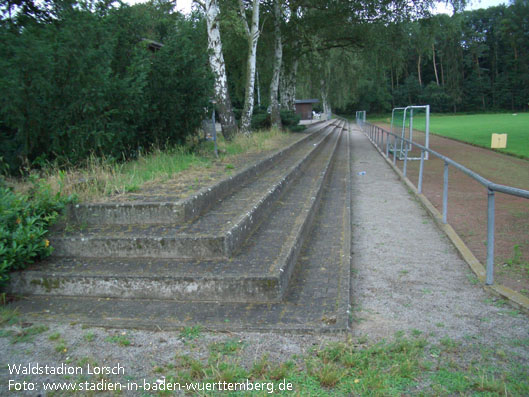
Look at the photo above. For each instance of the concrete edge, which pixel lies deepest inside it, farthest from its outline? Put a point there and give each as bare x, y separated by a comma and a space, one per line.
148, 325
236, 236
287, 261
348, 255
466, 254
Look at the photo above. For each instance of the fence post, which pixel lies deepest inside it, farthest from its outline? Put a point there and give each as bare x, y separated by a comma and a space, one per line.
405, 167
387, 145
490, 238
445, 193
421, 168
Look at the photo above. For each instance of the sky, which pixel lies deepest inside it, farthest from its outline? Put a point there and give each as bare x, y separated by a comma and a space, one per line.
185, 5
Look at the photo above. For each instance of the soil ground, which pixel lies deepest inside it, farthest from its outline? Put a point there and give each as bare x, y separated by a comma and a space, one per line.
467, 203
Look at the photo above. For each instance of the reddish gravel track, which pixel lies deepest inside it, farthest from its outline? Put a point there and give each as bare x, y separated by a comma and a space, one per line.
467, 202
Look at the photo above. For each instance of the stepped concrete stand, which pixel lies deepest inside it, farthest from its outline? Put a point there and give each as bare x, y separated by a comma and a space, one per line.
266, 248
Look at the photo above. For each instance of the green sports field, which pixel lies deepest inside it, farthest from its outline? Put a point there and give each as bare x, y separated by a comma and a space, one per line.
478, 128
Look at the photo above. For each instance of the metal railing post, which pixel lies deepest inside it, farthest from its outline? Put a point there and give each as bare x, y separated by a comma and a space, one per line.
421, 169
387, 146
405, 167
490, 238
445, 193
395, 151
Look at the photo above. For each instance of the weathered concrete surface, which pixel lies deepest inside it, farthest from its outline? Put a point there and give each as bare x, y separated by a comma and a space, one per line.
316, 299
260, 272
217, 233
407, 274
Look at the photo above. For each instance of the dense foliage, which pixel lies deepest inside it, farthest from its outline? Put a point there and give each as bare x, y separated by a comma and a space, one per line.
470, 61
24, 222
290, 120
80, 79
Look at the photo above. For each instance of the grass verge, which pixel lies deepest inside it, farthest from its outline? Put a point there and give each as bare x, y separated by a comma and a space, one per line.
99, 178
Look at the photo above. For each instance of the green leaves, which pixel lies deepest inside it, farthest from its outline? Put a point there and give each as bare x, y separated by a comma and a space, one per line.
85, 83
24, 222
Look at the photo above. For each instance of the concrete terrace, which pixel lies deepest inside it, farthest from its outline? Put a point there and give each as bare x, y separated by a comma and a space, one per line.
333, 243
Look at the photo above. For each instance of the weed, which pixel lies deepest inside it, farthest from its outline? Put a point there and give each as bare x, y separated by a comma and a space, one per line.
516, 258
121, 340
89, 336
472, 279
27, 334
8, 316
328, 375
416, 333
54, 336
61, 347
227, 348
191, 332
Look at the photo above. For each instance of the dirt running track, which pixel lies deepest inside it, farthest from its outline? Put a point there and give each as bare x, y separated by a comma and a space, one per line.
467, 203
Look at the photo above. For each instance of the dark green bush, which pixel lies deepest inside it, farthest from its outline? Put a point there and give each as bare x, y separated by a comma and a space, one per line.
24, 223
85, 82
260, 121
291, 120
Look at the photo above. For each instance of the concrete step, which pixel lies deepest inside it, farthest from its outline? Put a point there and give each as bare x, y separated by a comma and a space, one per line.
316, 300
218, 233
260, 272
165, 209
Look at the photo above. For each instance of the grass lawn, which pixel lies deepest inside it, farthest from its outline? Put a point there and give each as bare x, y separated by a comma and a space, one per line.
477, 129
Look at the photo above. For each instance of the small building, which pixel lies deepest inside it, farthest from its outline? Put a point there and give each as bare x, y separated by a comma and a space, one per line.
304, 108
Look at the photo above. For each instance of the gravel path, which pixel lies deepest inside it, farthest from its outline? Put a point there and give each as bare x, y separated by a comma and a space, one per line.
407, 274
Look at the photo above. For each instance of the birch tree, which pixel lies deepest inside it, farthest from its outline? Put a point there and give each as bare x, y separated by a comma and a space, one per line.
218, 67
275, 114
252, 33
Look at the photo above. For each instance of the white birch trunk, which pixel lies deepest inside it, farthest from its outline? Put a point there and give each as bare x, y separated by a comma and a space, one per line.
288, 86
216, 62
325, 100
253, 37
275, 114
258, 84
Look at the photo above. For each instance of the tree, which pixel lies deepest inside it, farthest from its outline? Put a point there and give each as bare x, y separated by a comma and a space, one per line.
252, 34
218, 67
275, 115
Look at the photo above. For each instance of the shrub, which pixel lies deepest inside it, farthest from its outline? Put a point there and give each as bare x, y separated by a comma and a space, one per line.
85, 83
24, 222
291, 120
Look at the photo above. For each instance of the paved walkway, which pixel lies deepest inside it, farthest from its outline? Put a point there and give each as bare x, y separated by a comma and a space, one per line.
406, 273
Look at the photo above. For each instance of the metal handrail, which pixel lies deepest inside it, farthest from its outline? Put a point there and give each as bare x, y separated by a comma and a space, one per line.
376, 135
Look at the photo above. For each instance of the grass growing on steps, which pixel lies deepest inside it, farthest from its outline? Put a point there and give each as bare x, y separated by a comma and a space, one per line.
100, 177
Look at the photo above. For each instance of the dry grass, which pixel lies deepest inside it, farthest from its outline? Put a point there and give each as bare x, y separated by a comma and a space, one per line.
99, 178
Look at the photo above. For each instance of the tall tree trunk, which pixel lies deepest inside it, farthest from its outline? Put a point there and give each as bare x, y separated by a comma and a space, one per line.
442, 72
419, 70
325, 100
288, 86
434, 65
275, 115
253, 37
258, 87
216, 62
